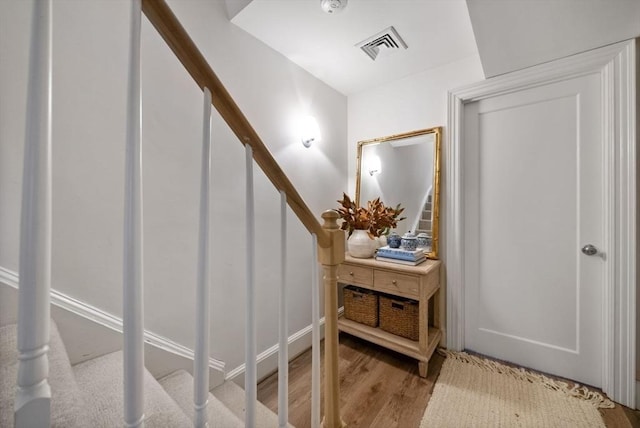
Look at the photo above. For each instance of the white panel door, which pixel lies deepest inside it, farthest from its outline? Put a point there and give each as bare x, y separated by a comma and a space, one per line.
534, 180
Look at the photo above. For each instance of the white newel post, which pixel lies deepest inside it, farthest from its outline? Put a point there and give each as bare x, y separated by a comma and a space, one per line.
201, 360
283, 330
133, 319
33, 394
251, 369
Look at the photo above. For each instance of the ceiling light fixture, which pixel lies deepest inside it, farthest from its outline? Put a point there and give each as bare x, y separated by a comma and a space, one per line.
333, 6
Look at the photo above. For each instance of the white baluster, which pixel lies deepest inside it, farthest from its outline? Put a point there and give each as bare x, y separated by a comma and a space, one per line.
201, 361
250, 377
33, 394
283, 343
133, 352
315, 335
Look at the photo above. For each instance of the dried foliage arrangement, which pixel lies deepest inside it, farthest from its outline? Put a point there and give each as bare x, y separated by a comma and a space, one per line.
376, 219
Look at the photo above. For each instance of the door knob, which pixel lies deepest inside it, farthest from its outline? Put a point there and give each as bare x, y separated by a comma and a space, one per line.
589, 250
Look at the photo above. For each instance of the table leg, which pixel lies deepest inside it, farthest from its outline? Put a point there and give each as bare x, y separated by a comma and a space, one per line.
423, 368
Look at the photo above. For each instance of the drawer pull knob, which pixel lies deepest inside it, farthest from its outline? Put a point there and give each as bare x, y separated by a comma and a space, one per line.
351, 273
394, 282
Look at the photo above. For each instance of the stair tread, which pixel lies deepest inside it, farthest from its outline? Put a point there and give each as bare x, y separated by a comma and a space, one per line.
67, 405
102, 379
179, 385
233, 396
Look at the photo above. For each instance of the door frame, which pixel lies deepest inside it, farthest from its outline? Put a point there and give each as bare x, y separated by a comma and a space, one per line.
616, 66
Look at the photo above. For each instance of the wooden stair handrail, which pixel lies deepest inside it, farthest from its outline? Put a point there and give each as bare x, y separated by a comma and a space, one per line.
176, 37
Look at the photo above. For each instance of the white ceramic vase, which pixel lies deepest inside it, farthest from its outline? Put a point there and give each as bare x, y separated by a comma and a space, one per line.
360, 245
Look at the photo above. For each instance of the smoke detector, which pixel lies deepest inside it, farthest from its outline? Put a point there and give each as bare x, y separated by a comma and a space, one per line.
333, 6
382, 44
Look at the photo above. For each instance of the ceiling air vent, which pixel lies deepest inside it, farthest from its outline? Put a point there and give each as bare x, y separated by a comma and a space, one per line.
384, 43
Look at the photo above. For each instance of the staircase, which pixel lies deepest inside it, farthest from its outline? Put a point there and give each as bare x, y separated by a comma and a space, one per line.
117, 387
90, 393
424, 223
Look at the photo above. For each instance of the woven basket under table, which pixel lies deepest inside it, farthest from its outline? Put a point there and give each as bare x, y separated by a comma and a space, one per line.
399, 316
361, 305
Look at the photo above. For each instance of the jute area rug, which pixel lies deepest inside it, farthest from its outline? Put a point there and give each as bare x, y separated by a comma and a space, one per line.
476, 392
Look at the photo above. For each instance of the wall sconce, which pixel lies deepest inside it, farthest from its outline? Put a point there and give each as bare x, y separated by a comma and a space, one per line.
374, 166
310, 131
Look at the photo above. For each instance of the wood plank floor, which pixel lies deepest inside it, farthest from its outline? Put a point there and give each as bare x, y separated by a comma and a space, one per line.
379, 388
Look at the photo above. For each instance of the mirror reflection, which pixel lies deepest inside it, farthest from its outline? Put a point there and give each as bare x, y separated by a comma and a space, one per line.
404, 169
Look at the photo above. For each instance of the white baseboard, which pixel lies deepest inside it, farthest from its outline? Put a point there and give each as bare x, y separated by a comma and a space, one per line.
162, 354
102, 335
9, 277
299, 342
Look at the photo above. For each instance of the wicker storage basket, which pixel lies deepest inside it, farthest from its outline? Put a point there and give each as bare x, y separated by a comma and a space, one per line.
361, 305
399, 316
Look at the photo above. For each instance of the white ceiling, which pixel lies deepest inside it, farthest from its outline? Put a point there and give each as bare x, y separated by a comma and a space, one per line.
437, 32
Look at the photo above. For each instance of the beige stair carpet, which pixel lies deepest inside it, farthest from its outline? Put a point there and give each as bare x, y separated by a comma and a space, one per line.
179, 385
101, 380
67, 406
476, 392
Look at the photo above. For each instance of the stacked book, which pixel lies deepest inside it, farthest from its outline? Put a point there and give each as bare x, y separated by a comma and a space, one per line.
400, 255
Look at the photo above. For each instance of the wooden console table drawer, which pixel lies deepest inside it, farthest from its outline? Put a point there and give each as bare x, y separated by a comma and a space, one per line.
421, 283
356, 275
396, 283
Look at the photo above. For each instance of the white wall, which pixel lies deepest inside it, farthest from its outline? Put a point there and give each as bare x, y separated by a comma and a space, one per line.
90, 54
512, 35
415, 102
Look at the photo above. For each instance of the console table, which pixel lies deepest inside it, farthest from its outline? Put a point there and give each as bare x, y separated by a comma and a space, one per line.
420, 283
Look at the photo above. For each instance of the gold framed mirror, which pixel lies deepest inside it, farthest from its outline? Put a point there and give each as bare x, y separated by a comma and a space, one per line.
404, 169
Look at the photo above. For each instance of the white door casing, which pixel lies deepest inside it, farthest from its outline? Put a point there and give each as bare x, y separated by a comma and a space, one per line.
614, 66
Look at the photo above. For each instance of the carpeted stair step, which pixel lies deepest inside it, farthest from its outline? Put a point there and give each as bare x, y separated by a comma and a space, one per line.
425, 225
101, 379
67, 405
179, 385
232, 396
